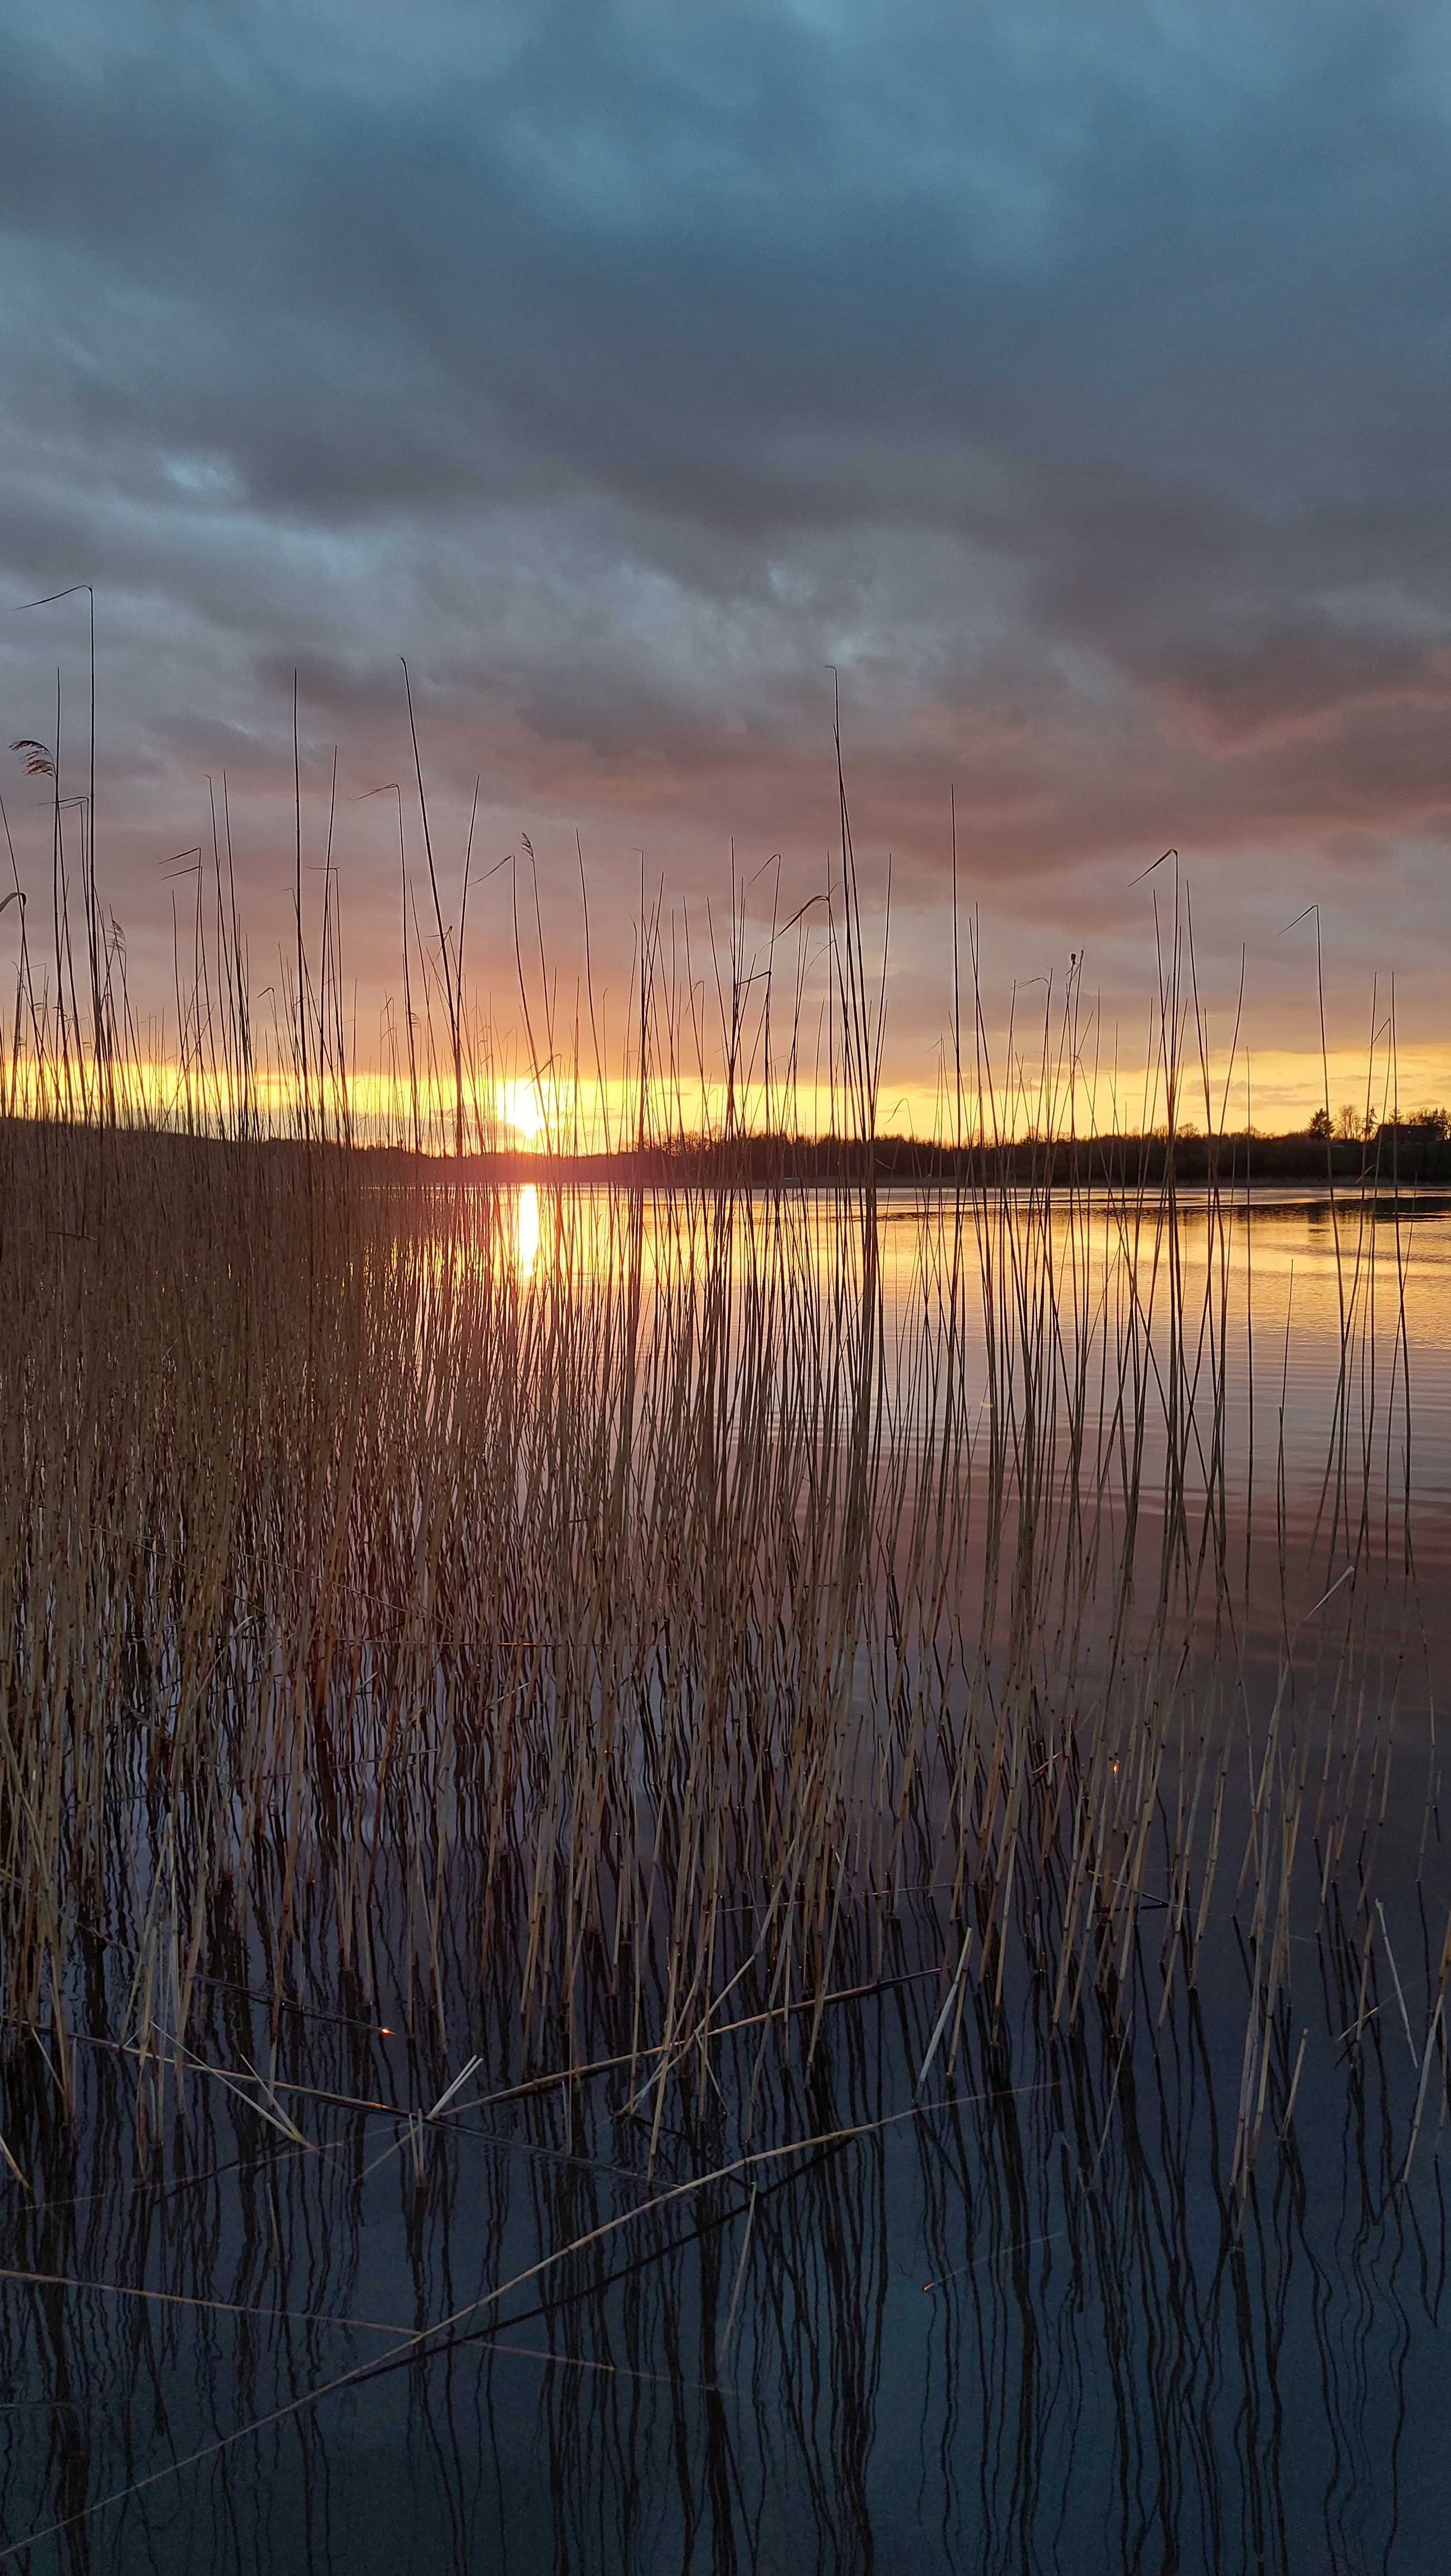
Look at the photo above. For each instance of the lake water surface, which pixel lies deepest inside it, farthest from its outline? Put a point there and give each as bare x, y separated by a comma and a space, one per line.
961, 2267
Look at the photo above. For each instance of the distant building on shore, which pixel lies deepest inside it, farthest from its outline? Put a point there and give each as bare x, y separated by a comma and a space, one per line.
1414, 1148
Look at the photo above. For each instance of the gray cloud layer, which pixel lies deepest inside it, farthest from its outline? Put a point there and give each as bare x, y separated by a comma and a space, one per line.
1073, 379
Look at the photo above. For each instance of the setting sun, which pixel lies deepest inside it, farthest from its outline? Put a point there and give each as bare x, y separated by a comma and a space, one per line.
520, 1107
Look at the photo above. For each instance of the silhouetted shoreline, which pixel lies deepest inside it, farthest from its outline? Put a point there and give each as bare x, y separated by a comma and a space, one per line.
1115, 1162
1411, 1159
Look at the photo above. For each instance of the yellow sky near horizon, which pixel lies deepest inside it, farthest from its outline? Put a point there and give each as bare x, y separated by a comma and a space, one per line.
1276, 1091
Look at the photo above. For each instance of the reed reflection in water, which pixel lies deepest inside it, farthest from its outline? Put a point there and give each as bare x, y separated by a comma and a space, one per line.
1019, 2321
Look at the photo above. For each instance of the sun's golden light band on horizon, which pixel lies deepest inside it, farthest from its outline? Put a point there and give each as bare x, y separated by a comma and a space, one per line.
1272, 1091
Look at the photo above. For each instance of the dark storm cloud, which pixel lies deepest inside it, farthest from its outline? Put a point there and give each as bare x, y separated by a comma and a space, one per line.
1073, 379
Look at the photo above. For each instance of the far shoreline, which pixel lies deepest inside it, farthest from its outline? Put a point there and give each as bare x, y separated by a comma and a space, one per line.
1393, 1165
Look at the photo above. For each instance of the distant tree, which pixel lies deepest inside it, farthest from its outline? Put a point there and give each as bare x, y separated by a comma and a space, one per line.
1320, 1124
1348, 1124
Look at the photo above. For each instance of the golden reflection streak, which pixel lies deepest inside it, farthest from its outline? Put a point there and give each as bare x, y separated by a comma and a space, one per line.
526, 1230
1286, 1257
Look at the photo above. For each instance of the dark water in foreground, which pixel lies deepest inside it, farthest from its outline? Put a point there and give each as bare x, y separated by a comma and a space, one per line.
912, 2280
1113, 2365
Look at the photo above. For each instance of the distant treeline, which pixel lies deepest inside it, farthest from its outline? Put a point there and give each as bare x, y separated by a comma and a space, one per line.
1411, 1155
1394, 1157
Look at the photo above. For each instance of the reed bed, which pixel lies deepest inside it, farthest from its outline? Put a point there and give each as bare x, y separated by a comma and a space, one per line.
581, 1657
573, 1649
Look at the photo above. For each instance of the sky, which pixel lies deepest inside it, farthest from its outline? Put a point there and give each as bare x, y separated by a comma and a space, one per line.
1067, 385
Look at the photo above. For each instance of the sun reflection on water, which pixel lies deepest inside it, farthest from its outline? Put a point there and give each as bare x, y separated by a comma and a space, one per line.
526, 1230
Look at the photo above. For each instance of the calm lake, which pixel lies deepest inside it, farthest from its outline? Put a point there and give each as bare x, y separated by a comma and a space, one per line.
1042, 2166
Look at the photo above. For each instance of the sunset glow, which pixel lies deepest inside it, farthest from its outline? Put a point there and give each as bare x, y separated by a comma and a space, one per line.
725, 1246
521, 1109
